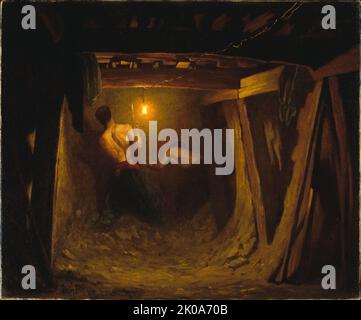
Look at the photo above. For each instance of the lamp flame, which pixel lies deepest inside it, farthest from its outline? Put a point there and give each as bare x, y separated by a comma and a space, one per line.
144, 109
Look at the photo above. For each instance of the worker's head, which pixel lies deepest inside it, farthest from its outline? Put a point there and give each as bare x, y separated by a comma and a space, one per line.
104, 115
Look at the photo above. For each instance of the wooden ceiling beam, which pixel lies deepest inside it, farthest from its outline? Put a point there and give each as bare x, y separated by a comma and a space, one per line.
176, 78
263, 82
259, 83
197, 58
220, 22
344, 63
220, 96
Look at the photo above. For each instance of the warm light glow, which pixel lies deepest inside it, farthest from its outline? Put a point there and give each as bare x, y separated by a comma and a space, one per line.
144, 109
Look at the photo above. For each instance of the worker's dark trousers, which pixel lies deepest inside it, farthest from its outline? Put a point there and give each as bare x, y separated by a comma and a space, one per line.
131, 191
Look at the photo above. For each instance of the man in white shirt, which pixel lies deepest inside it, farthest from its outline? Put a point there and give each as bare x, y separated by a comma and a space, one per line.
130, 190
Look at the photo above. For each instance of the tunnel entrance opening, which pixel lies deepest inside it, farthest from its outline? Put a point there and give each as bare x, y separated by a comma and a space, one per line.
220, 236
127, 251
290, 207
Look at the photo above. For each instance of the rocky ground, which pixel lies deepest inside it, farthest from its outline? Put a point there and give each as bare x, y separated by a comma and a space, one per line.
129, 259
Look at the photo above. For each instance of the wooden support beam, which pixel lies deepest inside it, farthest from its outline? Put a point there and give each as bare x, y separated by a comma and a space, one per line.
220, 22
44, 166
344, 63
183, 65
259, 83
253, 175
176, 78
198, 58
219, 96
344, 176
302, 155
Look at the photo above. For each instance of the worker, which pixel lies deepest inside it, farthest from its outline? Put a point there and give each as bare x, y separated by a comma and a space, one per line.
129, 188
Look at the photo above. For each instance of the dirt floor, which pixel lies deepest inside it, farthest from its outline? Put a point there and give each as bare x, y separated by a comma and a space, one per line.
129, 259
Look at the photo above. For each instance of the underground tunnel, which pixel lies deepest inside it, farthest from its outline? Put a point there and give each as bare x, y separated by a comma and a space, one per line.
189, 232
265, 229
196, 205
213, 235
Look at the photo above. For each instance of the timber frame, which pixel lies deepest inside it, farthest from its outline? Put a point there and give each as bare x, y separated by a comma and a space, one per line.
63, 34
226, 78
223, 78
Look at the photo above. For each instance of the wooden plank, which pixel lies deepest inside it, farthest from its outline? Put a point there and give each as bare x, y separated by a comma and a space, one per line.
344, 63
344, 181
192, 56
259, 83
279, 253
220, 95
175, 78
263, 82
45, 158
301, 226
183, 65
253, 175
242, 222
220, 22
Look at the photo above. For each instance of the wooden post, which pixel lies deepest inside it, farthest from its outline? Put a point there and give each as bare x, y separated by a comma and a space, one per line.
45, 156
263, 82
302, 155
344, 179
253, 175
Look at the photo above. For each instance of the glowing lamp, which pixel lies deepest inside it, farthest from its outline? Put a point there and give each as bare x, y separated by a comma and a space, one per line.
144, 109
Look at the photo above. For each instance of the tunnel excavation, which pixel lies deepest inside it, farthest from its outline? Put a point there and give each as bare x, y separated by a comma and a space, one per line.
180, 151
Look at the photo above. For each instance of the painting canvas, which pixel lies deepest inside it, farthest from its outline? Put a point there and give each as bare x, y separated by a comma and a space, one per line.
180, 150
